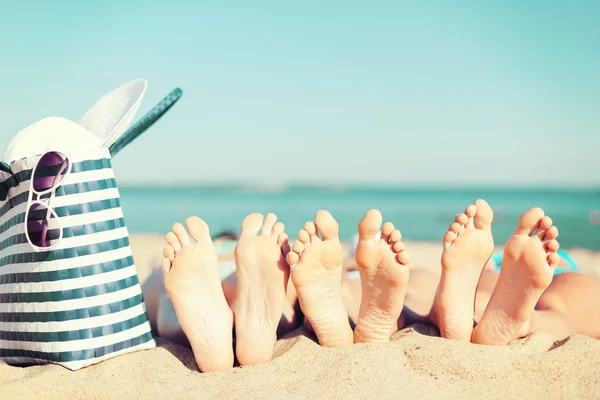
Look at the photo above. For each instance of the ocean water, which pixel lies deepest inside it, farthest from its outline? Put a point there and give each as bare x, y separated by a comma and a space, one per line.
421, 214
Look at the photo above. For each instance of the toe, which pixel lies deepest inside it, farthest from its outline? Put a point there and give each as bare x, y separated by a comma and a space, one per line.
403, 258
303, 236
552, 245
386, 231
449, 238
398, 246
197, 228
168, 252
310, 228
281, 238
395, 236
456, 228
484, 215
268, 223
553, 260
252, 224
292, 258
326, 225
283, 243
174, 242
181, 234
470, 211
545, 224
165, 265
298, 247
278, 229
551, 233
529, 221
369, 225
461, 219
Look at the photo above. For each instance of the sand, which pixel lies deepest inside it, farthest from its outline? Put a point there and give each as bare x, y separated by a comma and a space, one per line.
416, 363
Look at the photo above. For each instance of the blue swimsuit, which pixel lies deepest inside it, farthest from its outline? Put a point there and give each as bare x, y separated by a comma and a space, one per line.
572, 267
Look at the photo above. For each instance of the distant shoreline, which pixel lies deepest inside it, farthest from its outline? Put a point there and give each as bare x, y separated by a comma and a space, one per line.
267, 187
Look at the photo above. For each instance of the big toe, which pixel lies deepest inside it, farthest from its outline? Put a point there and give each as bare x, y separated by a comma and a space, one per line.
369, 225
326, 225
484, 215
529, 221
197, 228
252, 224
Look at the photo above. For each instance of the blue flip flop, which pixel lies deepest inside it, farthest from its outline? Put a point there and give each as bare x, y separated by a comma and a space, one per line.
572, 267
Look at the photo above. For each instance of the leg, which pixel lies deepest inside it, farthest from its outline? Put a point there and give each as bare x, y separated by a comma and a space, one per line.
383, 267
527, 270
262, 275
192, 282
571, 304
468, 246
420, 295
153, 289
316, 270
485, 288
166, 324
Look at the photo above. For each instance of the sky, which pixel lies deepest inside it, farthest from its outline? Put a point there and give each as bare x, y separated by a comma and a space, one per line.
433, 93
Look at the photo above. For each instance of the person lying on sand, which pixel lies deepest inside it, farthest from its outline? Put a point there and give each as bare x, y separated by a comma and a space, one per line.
192, 282
526, 296
265, 261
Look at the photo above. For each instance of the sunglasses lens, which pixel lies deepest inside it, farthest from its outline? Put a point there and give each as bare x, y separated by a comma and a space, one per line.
51, 170
43, 228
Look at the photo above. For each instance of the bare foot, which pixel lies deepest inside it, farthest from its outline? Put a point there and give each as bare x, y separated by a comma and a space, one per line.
192, 282
262, 274
289, 317
527, 270
468, 245
383, 275
316, 269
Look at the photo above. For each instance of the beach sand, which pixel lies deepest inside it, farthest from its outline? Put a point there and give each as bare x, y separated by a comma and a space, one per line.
416, 363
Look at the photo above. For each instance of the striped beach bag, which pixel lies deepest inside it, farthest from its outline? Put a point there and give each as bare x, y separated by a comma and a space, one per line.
69, 289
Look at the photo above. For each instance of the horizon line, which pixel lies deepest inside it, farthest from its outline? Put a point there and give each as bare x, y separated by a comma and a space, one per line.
358, 185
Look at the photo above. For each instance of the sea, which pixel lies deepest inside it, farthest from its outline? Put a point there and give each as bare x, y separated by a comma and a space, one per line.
422, 214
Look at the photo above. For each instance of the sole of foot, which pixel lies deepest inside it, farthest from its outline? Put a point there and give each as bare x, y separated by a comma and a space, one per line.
191, 274
468, 245
527, 270
262, 278
316, 271
383, 266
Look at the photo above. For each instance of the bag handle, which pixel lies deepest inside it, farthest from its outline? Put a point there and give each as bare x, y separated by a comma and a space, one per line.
146, 121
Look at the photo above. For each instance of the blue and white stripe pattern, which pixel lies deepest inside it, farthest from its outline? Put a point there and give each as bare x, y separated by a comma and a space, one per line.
81, 302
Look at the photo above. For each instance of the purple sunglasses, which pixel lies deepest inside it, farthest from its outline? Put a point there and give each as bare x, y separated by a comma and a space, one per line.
42, 226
